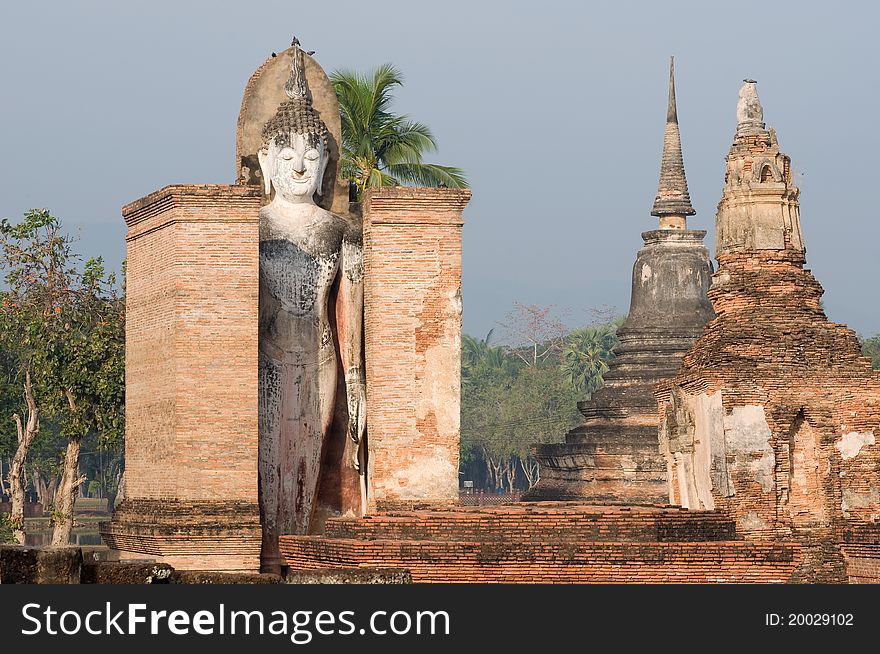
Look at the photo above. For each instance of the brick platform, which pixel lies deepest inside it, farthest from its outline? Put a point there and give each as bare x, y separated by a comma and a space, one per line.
200, 535
546, 542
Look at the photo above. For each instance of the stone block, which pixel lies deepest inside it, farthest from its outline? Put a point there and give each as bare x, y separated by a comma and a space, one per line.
212, 577
40, 565
146, 571
349, 576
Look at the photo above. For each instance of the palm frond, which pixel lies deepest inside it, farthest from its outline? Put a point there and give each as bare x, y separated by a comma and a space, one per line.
380, 148
382, 82
406, 143
425, 174
379, 178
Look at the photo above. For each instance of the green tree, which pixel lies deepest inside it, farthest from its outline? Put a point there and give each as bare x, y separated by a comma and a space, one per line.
45, 461
871, 348
586, 354
380, 148
513, 398
480, 360
526, 392
10, 392
34, 262
487, 373
542, 409
64, 328
10, 396
483, 408
87, 362
505, 409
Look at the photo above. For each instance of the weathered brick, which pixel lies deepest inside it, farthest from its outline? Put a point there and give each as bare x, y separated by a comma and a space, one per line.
412, 298
545, 542
191, 379
774, 414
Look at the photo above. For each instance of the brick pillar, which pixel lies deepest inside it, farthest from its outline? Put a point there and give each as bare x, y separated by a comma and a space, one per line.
412, 245
191, 379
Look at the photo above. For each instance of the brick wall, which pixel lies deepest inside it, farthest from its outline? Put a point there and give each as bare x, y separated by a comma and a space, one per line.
861, 550
597, 563
191, 344
191, 369
862, 567
412, 297
775, 412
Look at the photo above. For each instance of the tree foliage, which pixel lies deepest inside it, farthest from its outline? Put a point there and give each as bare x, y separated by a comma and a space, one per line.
10, 397
514, 397
586, 355
66, 325
380, 148
871, 348
63, 326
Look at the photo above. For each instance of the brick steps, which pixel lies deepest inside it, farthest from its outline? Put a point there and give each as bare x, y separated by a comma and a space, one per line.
547, 543
620, 562
530, 522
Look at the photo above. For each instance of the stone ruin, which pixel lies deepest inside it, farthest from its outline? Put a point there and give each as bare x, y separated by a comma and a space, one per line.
774, 415
645, 515
767, 465
613, 455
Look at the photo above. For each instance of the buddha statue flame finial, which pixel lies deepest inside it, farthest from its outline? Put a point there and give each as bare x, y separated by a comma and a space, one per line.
296, 87
296, 115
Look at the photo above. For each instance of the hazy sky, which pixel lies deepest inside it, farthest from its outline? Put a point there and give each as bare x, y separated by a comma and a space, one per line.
554, 109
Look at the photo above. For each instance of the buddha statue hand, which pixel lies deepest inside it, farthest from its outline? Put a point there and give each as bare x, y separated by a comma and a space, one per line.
357, 411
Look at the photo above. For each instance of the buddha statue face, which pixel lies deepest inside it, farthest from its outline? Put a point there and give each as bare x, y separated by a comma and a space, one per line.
294, 166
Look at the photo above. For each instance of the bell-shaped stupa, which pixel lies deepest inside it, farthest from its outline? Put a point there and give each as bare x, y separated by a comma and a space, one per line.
614, 455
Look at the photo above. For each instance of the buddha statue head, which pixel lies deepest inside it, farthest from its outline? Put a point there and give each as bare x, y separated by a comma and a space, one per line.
295, 148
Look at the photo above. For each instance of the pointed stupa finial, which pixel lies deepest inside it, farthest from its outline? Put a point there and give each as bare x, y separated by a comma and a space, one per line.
749, 112
671, 113
673, 202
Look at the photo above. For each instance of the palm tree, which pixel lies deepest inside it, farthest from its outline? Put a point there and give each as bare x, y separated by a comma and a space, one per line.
480, 360
586, 355
380, 148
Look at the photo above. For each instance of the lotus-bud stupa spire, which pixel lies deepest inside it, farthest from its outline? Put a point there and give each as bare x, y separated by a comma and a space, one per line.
673, 202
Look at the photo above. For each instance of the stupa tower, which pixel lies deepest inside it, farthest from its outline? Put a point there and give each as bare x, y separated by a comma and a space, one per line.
673, 202
614, 456
775, 413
